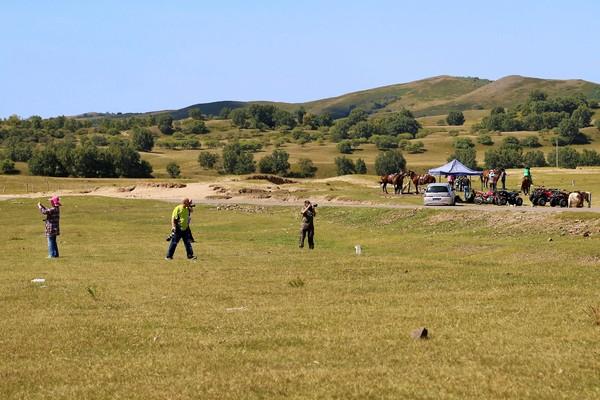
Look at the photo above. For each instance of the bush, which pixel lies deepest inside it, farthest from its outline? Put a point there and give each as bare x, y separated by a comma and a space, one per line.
504, 157
7, 166
455, 118
142, 139
276, 163
384, 142
485, 140
531, 141
173, 170
466, 155
415, 147
597, 123
306, 168
208, 160
567, 157
534, 159
344, 166
344, 147
389, 162
360, 166
99, 140
236, 160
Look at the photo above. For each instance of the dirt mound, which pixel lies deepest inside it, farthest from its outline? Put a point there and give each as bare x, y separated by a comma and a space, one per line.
278, 180
255, 193
165, 185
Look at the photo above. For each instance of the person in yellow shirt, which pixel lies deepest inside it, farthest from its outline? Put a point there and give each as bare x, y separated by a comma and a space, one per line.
180, 224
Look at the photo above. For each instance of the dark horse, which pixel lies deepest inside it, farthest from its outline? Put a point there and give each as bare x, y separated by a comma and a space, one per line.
396, 179
525, 185
419, 180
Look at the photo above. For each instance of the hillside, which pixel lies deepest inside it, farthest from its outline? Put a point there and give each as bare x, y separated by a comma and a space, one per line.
431, 96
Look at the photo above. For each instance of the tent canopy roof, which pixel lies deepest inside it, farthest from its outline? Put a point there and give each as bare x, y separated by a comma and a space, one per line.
454, 167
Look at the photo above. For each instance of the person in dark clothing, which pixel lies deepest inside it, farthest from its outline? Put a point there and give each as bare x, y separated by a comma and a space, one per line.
308, 228
52, 224
503, 178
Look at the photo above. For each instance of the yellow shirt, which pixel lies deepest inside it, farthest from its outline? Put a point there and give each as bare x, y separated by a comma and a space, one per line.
182, 214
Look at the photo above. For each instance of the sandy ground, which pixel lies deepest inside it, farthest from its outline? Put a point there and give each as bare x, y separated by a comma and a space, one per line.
264, 193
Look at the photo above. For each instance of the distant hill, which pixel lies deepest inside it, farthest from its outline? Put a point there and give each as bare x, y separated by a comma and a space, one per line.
431, 96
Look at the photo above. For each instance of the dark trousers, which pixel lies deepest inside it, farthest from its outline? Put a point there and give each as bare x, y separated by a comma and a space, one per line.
307, 230
503, 184
177, 236
52, 247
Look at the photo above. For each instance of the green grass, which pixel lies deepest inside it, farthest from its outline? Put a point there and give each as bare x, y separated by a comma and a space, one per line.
506, 309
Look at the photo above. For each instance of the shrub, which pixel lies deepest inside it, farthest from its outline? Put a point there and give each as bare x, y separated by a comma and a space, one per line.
567, 157
453, 133
384, 142
7, 166
360, 166
276, 163
236, 160
208, 160
389, 162
142, 139
344, 147
344, 166
455, 118
485, 140
534, 158
173, 170
415, 147
306, 168
531, 141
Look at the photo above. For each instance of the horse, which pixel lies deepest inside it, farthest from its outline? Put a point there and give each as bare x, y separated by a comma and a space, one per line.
576, 199
485, 177
525, 185
419, 180
395, 179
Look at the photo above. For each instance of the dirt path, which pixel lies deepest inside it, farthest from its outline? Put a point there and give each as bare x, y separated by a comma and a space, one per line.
250, 193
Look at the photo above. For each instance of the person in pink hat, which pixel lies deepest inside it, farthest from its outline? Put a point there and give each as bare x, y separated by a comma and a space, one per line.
52, 224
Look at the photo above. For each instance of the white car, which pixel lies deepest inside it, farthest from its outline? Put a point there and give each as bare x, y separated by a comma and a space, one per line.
439, 194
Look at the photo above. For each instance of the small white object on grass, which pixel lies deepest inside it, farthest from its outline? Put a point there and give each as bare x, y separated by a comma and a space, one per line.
358, 249
38, 280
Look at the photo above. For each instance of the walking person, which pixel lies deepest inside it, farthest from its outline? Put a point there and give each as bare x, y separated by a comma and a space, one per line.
308, 228
180, 229
52, 224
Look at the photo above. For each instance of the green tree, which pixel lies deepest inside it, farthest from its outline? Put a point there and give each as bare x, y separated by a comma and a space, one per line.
384, 142
165, 124
464, 151
400, 123
360, 166
197, 127
531, 141
173, 170
362, 129
142, 139
7, 166
389, 162
344, 147
276, 163
504, 157
239, 117
537, 95
485, 140
582, 116
224, 113
208, 160
534, 158
567, 157
455, 118
236, 160
195, 113
284, 119
568, 129
306, 168
300, 113
344, 166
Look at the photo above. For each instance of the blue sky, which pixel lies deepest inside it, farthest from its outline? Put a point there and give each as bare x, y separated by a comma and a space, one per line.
69, 57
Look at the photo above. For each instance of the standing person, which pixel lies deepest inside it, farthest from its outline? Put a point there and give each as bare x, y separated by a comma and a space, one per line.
308, 228
52, 223
180, 223
492, 179
503, 178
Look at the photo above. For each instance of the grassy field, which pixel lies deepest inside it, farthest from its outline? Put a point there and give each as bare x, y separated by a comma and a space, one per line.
256, 317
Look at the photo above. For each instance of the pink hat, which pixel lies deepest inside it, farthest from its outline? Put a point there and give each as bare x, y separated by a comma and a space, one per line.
55, 201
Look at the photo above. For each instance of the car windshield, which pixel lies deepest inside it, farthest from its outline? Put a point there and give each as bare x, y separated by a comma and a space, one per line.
437, 189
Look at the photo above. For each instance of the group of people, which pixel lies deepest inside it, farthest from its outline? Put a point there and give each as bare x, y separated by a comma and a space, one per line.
180, 226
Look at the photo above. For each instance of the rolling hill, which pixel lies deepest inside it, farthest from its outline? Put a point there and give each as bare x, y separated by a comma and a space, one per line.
431, 96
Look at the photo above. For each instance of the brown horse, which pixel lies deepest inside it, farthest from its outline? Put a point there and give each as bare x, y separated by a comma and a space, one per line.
485, 178
419, 180
525, 185
396, 179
